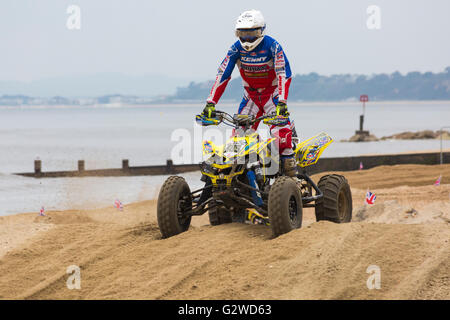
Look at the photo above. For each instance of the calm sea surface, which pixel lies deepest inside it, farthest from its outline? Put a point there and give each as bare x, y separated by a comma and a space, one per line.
103, 136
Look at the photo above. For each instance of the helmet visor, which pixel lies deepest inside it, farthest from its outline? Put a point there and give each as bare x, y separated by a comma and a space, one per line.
249, 35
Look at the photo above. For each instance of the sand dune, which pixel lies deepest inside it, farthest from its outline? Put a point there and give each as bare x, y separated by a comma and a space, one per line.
121, 253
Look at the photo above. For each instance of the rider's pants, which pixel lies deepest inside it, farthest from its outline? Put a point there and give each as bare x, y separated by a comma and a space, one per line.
263, 101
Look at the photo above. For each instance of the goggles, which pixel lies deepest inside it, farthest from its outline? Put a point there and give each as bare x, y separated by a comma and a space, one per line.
249, 35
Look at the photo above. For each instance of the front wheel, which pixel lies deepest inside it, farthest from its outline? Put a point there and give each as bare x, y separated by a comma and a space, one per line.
285, 206
174, 199
336, 203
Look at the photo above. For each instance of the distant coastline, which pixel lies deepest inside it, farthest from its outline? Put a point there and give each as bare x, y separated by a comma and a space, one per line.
306, 88
197, 104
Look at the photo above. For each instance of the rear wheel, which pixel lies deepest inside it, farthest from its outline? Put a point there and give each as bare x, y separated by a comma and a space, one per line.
285, 206
174, 199
336, 203
219, 216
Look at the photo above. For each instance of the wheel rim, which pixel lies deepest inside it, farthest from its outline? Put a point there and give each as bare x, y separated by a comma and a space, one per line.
293, 210
342, 205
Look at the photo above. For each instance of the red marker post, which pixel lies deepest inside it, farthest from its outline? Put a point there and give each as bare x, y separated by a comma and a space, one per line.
363, 98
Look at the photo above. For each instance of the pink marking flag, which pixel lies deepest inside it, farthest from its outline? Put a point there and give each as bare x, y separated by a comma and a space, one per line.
360, 166
118, 204
370, 197
438, 181
42, 212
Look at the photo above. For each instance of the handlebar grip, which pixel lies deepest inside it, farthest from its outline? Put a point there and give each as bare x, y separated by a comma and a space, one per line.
205, 121
276, 121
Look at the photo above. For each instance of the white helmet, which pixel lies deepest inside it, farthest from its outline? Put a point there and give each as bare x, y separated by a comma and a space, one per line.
250, 27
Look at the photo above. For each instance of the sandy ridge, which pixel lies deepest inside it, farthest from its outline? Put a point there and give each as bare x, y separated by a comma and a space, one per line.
122, 255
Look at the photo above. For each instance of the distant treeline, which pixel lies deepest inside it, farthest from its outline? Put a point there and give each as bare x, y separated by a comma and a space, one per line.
308, 87
314, 87
22, 100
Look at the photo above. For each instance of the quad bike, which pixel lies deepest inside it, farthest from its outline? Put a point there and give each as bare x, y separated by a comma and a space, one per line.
244, 182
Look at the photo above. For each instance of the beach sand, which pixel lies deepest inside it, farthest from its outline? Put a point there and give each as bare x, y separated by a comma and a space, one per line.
122, 256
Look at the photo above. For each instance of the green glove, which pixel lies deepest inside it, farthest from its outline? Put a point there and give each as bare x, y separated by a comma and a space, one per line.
282, 109
210, 110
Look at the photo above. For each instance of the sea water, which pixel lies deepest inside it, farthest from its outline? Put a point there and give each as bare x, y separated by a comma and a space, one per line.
148, 135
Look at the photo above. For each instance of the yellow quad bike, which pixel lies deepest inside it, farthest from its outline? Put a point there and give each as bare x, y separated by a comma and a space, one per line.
244, 182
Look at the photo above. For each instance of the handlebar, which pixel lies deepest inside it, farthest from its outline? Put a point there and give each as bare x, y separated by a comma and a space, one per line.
241, 120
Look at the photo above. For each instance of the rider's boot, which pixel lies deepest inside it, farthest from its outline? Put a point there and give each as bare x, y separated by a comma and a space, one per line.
289, 166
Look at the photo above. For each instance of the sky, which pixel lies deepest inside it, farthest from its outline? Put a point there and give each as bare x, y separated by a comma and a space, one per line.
186, 40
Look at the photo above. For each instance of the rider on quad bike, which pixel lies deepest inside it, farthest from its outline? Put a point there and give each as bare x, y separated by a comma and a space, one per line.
266, 76
240, 185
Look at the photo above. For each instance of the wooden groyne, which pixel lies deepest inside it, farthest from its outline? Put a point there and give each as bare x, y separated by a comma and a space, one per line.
325, 164
371, 161
126, 170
